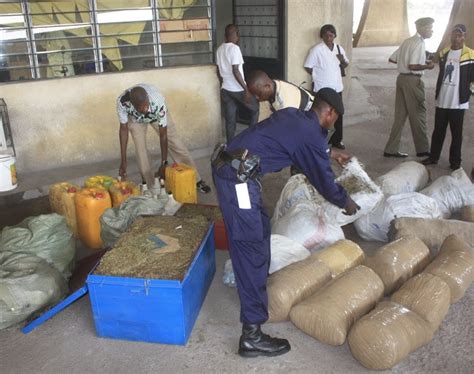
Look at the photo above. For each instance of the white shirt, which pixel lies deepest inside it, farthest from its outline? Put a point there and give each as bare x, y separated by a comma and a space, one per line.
157, 111
325, 65
229, 54
448, 97
411, 52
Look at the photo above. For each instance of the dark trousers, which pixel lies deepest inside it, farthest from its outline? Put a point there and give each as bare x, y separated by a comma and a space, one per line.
231, 102
455, 118
248, 231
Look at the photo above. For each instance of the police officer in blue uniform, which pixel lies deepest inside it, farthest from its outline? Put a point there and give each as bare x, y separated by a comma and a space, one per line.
288, 137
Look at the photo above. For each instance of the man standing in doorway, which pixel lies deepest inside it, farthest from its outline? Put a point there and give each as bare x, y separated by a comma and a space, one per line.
234, 90
325, 63
410, 94
138, 107
456, 73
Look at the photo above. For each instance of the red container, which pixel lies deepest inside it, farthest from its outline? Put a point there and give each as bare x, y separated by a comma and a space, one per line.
220, 235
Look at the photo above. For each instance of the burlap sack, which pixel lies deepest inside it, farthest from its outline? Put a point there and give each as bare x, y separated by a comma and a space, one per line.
431, 231
397, 261
328, 314
388, 334
467, 213
455, 265
427, 295
341, 256
294, 283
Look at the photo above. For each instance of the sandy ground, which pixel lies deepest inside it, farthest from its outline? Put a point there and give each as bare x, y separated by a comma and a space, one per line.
68, 343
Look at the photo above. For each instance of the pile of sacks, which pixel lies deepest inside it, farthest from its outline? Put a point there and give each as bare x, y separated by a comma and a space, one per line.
36, 262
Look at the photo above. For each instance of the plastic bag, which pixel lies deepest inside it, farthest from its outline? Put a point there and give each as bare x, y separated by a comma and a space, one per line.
294, 283
427, 295
398, 261
307, 225
115, 221
452, 192
432, 232
341, 256
284, 252
353, 178
228, 277
387, 335
27, 284
455, 265
375, 226
46, 236
328, 314
409, 176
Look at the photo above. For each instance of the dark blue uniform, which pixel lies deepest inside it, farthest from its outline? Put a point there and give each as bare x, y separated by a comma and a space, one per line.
288, 137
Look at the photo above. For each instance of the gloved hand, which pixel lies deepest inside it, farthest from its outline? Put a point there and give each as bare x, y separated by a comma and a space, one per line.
351, 207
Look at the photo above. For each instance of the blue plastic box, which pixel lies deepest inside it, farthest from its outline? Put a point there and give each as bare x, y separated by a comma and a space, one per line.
153, 310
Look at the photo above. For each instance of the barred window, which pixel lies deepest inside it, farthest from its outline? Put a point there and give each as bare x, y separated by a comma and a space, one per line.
64, 38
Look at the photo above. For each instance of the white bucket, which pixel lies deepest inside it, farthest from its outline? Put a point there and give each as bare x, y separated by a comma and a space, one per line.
8, 180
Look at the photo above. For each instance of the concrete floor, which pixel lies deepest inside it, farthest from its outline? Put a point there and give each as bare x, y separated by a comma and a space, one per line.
67, 343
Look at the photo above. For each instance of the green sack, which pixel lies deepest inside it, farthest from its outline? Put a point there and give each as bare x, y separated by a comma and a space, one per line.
28, 284
46, 236
115, 221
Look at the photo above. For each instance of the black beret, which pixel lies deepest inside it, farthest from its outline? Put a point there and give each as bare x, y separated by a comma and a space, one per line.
332, 98
425, 21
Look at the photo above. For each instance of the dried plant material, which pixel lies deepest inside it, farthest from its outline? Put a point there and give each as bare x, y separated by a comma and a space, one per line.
387, 335
329, 314
398, 261
156, 248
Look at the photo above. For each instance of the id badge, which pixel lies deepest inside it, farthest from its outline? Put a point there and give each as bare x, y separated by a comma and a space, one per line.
243, 197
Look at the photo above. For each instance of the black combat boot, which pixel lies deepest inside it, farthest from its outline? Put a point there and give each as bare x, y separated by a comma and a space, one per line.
254, 343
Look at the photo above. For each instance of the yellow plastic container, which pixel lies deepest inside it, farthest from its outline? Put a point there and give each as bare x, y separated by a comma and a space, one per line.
97, 181
121, 191
90, 205
62, 201
181, 181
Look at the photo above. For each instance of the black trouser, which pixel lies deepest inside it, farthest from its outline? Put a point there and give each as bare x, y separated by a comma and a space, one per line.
231, 101
455, 118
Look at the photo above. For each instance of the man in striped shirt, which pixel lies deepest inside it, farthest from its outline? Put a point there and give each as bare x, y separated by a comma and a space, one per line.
138, 107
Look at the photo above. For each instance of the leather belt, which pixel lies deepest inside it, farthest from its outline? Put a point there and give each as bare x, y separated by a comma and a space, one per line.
416, 75
246, 165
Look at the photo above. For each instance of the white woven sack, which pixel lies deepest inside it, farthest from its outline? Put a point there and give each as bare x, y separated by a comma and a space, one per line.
409, 176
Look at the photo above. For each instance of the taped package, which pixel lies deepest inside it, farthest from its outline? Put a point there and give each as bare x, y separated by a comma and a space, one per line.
398, 261
387, 335
455, 265
294, 283
427, 295
409, 176
341, 256
432, 232
328, 314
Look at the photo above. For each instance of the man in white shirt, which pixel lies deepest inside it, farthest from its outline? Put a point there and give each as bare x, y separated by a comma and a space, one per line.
456, 73
410, 94
234, 90
138, 107
325, 63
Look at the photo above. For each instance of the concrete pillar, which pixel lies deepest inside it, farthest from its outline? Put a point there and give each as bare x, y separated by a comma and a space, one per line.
304, 19
462, 12
383, 23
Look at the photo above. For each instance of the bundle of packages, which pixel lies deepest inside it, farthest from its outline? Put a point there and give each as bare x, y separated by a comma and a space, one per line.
328, 314
294, 283
427, 295
431, 231
455, 265
28, 284
353, 178
307, 224
375, 226
467, 213
341, 256
452, 192
398, 261
409, 176
284, 252
387, 335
